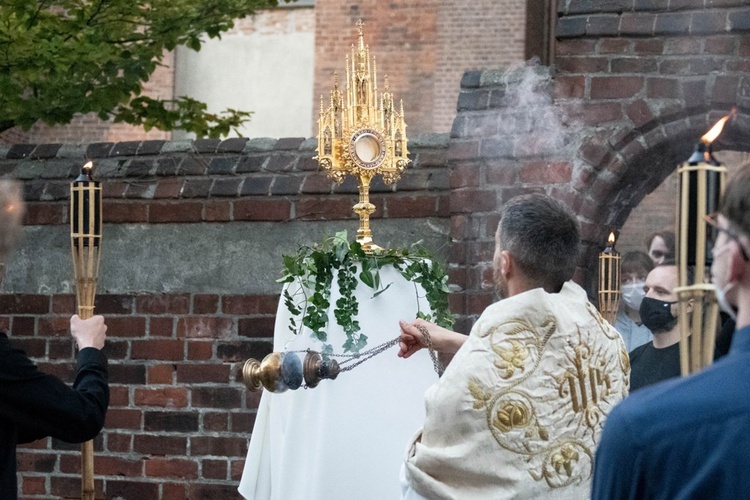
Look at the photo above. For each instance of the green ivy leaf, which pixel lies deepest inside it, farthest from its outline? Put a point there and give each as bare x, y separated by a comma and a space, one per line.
313, 267
367, 278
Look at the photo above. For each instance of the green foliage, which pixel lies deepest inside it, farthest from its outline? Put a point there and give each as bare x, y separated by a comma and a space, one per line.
63, 57
313, 268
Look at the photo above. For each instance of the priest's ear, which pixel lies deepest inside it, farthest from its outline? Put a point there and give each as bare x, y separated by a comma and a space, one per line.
508, 264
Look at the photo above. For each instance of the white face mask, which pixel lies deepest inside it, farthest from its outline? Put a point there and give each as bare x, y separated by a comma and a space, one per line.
632, 294
724, 305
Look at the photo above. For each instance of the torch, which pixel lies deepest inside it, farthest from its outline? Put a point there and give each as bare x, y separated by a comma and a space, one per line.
85, 244
609, 280
701, 182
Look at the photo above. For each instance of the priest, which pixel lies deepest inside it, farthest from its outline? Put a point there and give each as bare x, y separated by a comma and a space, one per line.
519, 410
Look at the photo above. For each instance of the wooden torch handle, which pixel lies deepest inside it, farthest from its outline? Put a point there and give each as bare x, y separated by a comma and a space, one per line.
87, 448
87, 470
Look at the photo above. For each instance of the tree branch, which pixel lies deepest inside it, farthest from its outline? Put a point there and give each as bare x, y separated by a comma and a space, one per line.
32, 20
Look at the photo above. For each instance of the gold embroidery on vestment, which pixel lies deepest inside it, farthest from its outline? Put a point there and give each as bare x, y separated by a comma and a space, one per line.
604, 325
583, 384
564, 464
512, 358
586, 383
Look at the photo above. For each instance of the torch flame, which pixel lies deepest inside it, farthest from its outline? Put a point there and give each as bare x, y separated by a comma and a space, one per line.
88, 166
712, 134
611, 239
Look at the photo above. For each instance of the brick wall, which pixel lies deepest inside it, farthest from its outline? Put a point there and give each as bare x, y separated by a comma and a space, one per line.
487, 35
650, 92
423, 46
179, 418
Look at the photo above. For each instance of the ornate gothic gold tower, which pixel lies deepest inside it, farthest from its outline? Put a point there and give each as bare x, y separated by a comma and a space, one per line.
362, 134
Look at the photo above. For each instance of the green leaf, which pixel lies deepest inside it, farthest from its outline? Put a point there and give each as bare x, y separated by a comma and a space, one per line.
367, 278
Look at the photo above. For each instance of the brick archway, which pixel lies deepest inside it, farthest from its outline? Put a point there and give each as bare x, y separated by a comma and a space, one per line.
650, 157
635, 85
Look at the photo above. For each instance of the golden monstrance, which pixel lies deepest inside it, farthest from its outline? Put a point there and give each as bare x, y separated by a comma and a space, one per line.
362, 134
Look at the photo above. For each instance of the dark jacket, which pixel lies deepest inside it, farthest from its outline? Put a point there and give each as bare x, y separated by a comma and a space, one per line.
34, 405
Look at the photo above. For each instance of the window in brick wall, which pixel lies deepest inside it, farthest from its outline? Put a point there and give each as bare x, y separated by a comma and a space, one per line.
541, 17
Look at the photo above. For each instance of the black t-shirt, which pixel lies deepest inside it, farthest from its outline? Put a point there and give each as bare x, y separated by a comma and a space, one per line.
724, 338
649, 365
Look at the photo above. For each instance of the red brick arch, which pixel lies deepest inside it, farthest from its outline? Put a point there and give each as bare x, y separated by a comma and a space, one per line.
650, 156
636, 82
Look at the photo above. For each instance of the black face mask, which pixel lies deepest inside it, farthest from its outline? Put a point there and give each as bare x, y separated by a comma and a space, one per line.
657, 315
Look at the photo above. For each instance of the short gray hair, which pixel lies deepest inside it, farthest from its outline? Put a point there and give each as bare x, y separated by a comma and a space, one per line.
543, 237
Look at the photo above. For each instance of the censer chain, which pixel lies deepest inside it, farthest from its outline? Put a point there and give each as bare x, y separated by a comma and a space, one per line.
439, 368
365, 355
359, 357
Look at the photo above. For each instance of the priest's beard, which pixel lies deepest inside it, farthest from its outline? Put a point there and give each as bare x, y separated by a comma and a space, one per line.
501, 285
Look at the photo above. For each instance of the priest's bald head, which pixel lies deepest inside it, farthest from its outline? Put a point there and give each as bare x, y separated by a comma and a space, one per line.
536, 245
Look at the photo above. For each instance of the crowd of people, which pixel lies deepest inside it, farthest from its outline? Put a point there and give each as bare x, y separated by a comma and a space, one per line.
688, 437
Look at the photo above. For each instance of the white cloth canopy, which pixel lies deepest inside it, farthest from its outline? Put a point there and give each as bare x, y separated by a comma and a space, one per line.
344, 439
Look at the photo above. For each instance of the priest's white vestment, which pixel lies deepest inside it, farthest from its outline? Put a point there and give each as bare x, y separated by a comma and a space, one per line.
519, 410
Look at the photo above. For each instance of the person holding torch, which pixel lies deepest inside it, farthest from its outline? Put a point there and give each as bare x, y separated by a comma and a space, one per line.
33, 404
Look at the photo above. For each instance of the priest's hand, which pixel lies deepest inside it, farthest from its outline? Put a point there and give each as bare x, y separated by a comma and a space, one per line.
90, 332
413, 338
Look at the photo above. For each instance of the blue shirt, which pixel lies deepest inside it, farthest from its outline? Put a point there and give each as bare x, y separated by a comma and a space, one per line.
682, 438
632, 334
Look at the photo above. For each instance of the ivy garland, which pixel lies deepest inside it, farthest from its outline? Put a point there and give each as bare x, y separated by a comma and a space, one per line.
313, 267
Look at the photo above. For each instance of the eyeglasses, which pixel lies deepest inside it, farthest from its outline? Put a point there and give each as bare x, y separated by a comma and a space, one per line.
713, 222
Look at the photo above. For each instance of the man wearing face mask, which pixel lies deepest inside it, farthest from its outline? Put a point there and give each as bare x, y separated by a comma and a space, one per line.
659, 359
689, 437
635, 268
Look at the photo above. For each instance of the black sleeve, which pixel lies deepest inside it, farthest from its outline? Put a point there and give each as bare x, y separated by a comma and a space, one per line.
43, 405
724, 338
